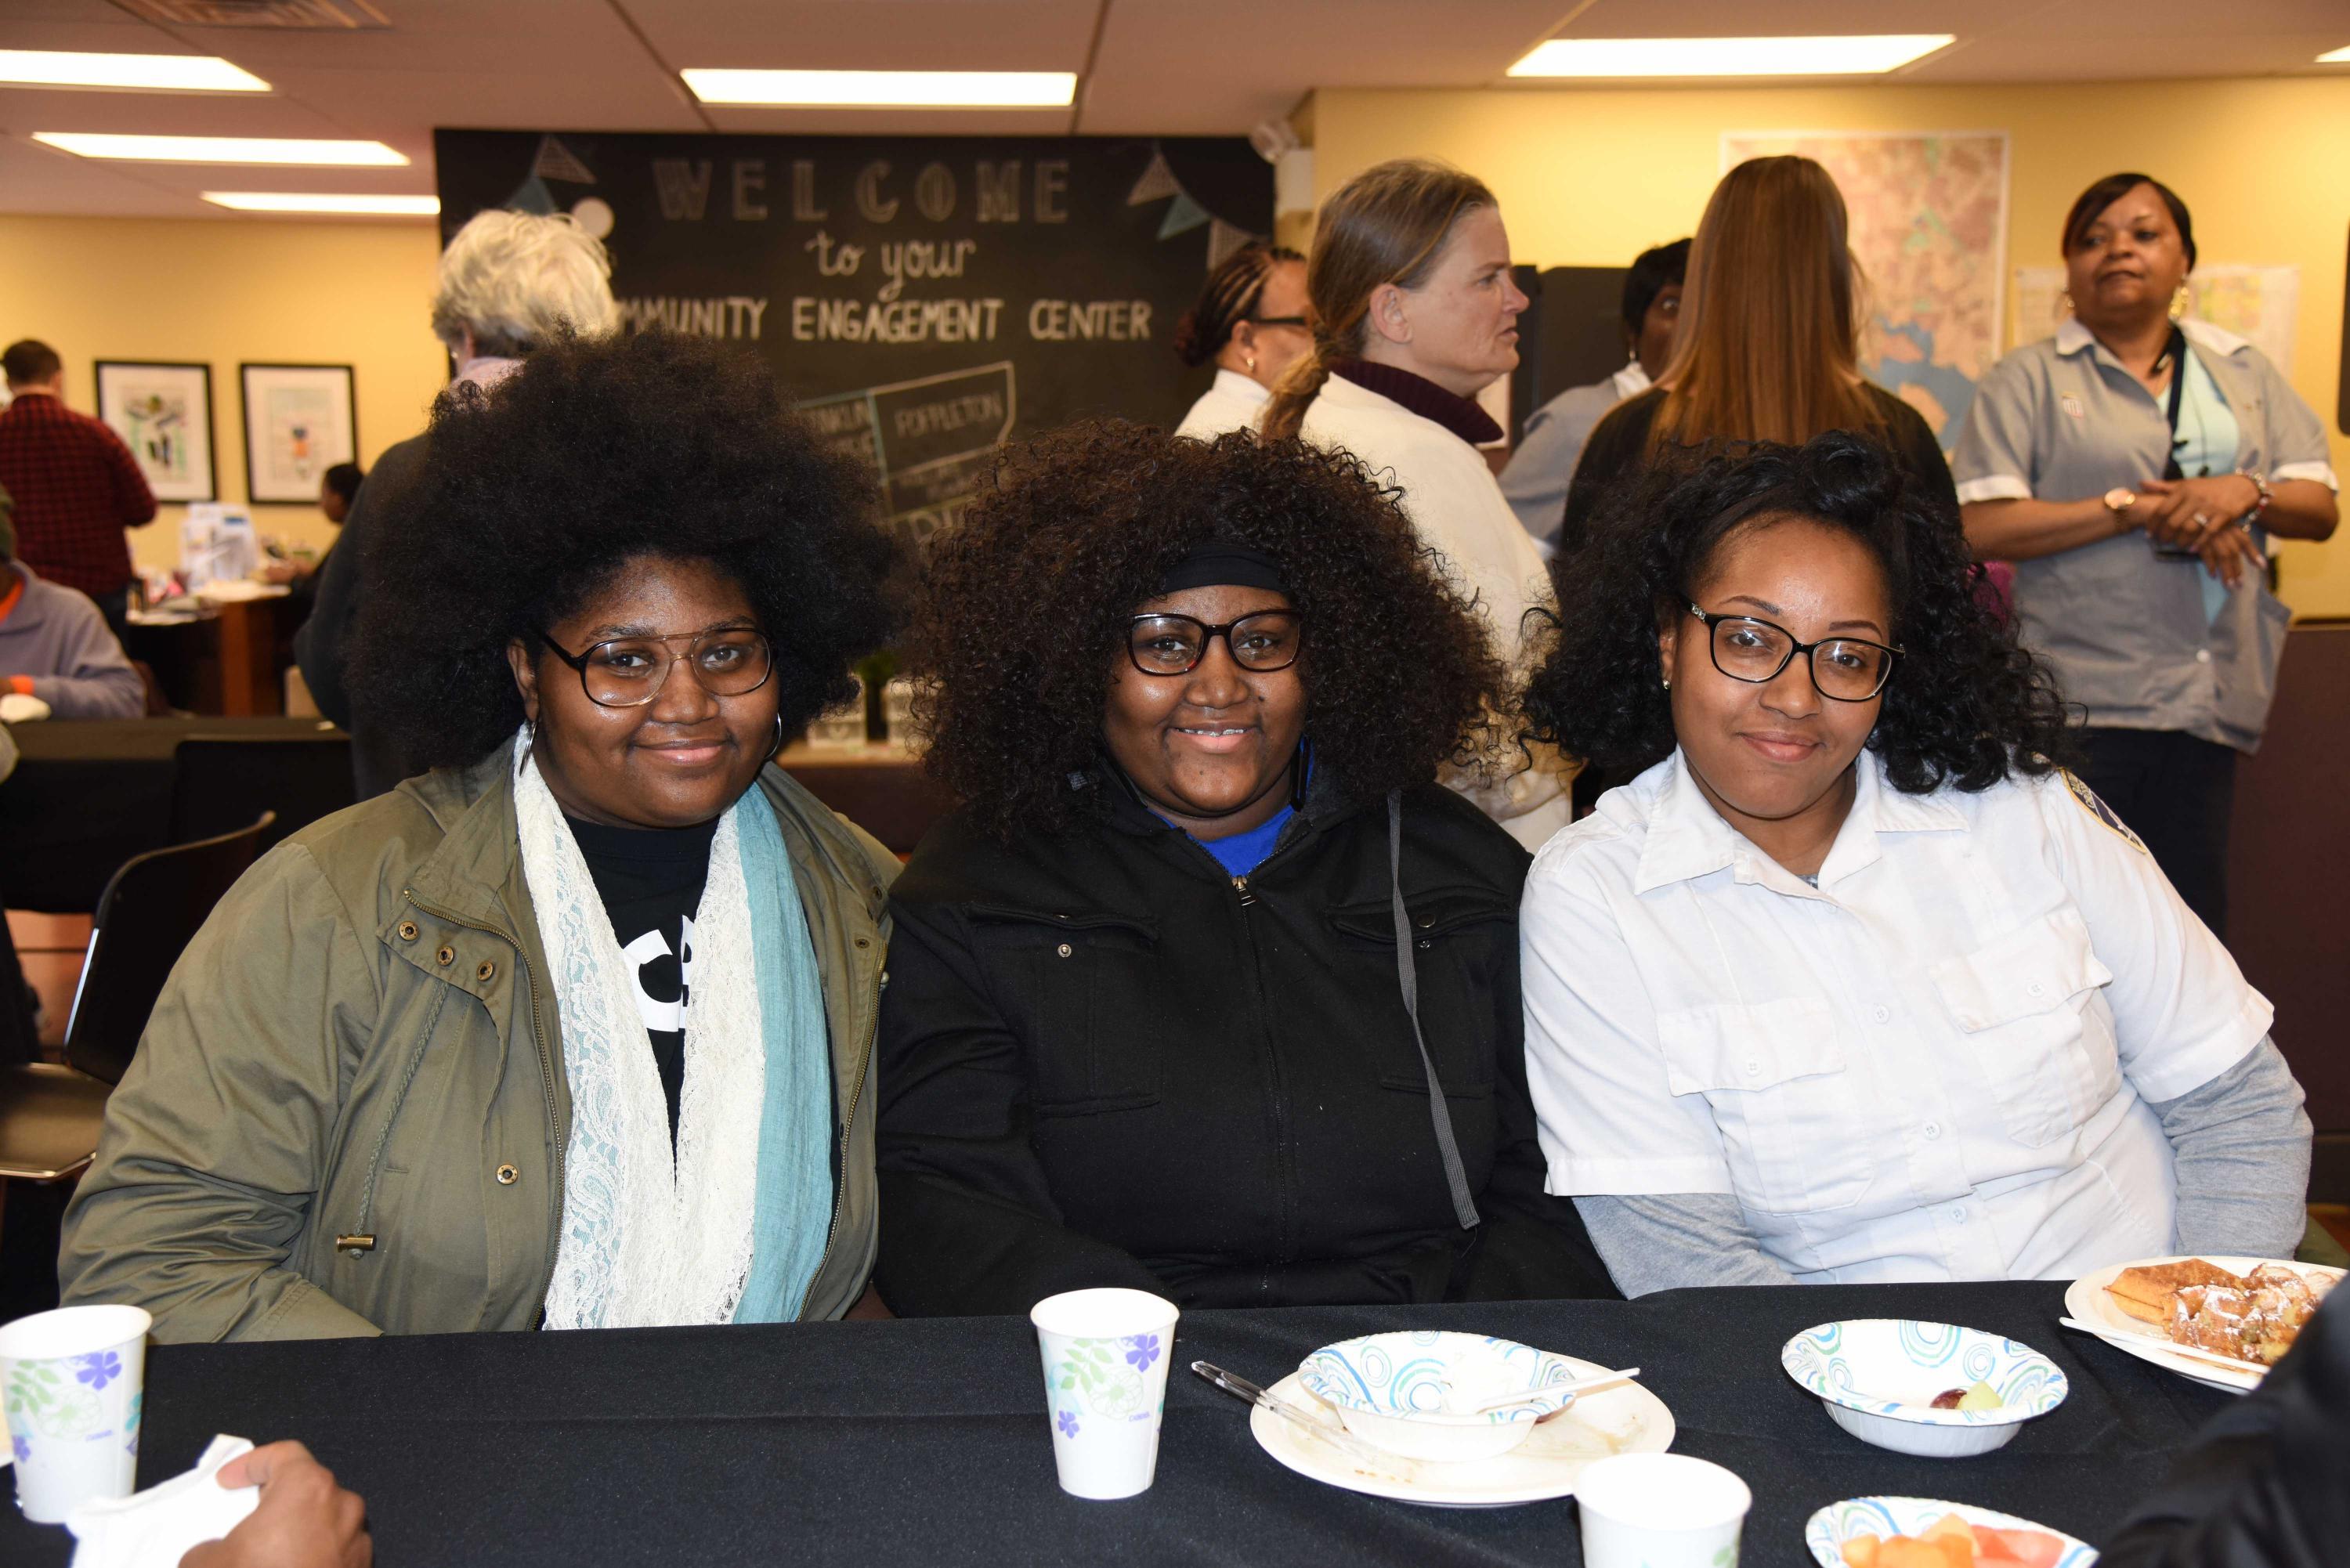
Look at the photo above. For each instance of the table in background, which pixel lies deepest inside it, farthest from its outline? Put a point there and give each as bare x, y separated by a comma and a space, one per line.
925, 1440
230, 660
880, 787
89, 794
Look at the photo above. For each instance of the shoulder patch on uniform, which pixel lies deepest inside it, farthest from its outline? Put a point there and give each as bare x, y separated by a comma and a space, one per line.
2086, 798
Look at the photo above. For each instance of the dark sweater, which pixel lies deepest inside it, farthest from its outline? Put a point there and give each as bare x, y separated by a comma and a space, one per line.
1102, 1061
1619, 451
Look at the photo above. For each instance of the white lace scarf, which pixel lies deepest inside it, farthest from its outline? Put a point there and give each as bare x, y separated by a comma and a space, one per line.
647, 1239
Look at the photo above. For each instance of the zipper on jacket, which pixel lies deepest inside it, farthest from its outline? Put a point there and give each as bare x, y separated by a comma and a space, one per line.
547, 1084
840, 1183
1285, 1154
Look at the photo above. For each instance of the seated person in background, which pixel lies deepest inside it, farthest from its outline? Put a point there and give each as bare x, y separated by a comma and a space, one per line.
1145, 1024
338, 488
433, 1065
1540, 470
1854, 983
57, 660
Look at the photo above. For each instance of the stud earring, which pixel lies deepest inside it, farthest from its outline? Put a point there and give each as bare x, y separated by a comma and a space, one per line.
1669, 682
1251, 364
2064, 304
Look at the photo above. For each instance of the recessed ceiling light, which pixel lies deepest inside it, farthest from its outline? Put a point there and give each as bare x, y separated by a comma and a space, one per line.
162, 73
1822, 57
222, 149
886, 89
2340, 57
296, 202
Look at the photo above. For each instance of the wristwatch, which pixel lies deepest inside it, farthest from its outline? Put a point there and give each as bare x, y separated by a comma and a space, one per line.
2120, 499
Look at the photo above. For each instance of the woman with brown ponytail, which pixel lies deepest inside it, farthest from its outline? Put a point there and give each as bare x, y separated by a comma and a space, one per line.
1414, 312
1250, 323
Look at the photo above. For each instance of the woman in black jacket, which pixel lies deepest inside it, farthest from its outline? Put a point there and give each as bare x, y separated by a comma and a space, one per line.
1149, 1023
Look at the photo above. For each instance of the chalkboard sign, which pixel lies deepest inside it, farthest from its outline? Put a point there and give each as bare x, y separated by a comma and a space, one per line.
926, 297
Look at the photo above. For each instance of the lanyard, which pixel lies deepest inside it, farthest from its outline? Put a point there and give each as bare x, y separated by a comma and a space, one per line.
2175, 349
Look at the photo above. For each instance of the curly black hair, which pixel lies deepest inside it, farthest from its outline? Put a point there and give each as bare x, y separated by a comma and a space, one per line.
594, 453
1027, 600
1966, 706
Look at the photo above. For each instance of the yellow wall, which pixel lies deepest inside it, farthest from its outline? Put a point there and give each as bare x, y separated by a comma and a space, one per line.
1591, 177
222, 291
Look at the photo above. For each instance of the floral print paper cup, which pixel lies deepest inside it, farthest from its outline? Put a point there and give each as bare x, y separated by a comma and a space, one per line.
1105, 1354
71, 1381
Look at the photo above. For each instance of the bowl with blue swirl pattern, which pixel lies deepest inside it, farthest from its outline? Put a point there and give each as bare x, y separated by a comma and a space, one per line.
1878, 1376
1410, 1392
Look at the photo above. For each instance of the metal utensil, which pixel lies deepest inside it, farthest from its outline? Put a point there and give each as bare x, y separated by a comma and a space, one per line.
2148, 1341
1528, 1395
1337, 1437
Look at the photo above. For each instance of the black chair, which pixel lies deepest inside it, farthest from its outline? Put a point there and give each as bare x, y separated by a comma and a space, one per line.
50, 1114
219, 781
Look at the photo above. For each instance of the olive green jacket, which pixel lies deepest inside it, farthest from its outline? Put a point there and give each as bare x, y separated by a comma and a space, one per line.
348, 1114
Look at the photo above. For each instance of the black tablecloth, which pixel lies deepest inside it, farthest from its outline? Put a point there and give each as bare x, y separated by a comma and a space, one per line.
925, 1442
89, 794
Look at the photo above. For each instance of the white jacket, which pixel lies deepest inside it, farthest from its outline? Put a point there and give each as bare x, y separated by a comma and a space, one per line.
1452, 499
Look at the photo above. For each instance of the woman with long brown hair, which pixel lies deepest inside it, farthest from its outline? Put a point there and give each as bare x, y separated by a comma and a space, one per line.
1768, 344
1414, 314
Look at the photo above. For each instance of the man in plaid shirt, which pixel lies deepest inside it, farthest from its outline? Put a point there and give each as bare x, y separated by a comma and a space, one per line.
76, 485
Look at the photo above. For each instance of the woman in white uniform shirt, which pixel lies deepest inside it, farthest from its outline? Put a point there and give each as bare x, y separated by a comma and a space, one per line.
1853, 983
1251, 321
1414, 312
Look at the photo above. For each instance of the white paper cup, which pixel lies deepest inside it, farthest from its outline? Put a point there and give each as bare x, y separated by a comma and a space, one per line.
1660, 1510
72, 1382
1105, 1354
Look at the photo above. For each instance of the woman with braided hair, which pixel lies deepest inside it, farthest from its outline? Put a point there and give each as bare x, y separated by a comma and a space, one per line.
1251, 323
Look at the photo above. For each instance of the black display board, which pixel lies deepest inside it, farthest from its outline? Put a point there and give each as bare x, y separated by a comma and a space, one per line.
925, 297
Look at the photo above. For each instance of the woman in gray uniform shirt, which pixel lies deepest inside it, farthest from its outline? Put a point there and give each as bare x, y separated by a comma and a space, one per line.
2133, 466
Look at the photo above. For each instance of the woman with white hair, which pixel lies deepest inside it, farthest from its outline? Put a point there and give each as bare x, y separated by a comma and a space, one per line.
507, 283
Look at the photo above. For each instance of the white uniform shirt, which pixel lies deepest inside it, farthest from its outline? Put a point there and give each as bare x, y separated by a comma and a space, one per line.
1935, 1065
1231, 402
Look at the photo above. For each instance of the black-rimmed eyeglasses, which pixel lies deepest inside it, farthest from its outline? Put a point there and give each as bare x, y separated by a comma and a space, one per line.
1844, 668
1174, 644
1298, 321
630, 672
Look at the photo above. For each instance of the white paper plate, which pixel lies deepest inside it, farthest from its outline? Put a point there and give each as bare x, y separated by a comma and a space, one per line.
1625, 1419
1825, 1531
2087, 1299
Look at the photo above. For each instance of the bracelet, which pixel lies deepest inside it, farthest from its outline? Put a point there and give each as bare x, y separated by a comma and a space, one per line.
2259, 508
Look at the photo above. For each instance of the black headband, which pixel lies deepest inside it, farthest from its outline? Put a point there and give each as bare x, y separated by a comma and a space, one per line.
1218, 563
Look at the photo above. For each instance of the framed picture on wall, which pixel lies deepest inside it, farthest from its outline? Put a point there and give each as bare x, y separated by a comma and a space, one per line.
163, 412
299, 422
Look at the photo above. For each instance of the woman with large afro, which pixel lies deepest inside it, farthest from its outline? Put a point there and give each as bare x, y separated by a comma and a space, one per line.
1853, 982
571, 1030
1208, 988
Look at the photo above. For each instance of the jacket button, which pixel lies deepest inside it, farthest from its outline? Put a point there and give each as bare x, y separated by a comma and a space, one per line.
508, 1176
485, 970
1066, 949
445, 957
406, 930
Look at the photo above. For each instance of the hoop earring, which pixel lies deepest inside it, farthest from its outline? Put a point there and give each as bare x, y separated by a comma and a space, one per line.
2180, 300
779, 736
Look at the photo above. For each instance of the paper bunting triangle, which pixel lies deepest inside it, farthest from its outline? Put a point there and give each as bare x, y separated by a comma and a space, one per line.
531, 196
1158, 182
1182, 217
556, 161
1224, 239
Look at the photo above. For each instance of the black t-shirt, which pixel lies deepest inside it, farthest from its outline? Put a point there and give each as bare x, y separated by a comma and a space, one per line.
651, 881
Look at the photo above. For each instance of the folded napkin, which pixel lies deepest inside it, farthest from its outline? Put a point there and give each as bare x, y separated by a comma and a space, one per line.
153, 1529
